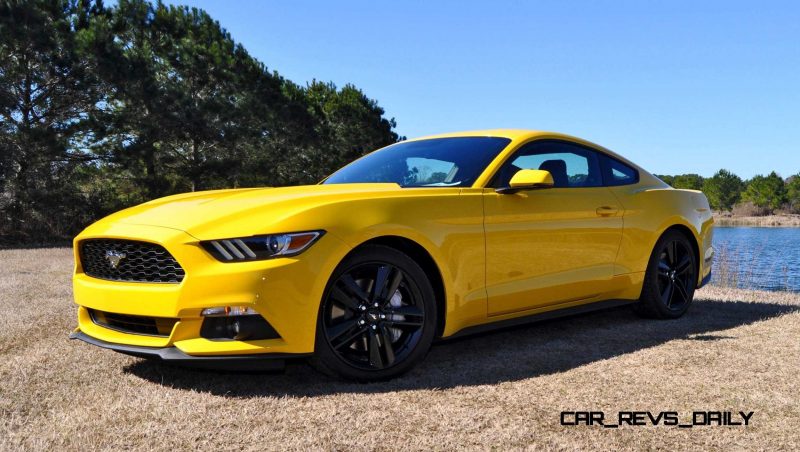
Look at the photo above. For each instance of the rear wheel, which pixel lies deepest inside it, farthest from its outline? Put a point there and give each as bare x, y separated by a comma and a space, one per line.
670, 279
377, 318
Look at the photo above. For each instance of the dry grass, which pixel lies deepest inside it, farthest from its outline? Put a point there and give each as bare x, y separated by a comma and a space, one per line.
751, 268
784, 220
735, 350
731, 269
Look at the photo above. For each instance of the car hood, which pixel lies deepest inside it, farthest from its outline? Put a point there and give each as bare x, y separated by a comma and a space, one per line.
202, 213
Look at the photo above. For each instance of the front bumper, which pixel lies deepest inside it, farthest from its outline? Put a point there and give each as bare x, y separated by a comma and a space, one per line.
706, 279
285, 291
266, 362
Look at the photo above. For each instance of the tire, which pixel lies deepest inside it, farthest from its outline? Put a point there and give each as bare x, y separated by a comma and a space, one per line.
368, 335
670, 279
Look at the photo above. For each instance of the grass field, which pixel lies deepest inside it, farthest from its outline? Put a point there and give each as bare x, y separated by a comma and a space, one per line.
734, 350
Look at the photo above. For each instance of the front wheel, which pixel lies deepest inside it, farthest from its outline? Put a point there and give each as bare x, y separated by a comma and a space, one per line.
670, 279
377, 317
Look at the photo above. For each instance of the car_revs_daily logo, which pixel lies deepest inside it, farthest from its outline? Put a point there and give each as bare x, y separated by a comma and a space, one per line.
666, 418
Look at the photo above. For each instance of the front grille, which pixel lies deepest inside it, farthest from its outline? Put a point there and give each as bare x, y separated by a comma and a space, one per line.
136, 261
134, 324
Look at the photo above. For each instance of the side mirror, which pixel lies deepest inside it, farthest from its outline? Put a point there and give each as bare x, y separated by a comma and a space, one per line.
528, 180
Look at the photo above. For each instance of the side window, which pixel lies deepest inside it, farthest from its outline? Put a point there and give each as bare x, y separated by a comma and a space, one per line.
429, 172
617, 173
570, 165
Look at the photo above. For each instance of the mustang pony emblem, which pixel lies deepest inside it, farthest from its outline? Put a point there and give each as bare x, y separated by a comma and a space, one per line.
115, 257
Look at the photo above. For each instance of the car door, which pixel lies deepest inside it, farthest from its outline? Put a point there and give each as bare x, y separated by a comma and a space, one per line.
553, 245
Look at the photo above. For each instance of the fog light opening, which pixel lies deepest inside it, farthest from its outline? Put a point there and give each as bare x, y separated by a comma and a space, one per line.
228, 311
239, 323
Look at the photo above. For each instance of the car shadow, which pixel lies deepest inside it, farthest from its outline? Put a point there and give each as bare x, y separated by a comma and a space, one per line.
505, 355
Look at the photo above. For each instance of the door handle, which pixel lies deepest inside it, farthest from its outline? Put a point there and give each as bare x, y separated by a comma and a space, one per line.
606, 211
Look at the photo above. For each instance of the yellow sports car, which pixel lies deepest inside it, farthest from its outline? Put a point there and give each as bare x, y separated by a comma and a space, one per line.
424, 239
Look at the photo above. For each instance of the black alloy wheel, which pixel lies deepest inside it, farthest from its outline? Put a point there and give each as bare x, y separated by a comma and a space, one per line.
670, 279
377, 317
675, 275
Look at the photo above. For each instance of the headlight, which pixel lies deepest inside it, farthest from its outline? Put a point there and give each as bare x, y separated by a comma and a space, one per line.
261, 247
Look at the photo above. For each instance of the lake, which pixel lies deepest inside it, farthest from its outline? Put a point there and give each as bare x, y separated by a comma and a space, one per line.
757, 258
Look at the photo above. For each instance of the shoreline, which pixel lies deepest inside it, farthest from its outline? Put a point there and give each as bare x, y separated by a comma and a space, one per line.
780, 221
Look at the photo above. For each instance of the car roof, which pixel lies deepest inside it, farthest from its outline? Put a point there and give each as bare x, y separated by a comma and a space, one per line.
505, 133
521, 135
518, 135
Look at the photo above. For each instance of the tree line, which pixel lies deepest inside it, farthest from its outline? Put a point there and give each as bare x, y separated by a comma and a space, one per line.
761, 195
105, 107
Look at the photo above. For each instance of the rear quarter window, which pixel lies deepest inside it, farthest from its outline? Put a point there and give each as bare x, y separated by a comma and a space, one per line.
617, 173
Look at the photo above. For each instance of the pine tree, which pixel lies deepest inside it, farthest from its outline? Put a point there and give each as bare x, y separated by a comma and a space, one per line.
723, 190
47, 90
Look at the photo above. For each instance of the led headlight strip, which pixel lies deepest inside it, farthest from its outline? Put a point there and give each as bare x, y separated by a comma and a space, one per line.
261, 247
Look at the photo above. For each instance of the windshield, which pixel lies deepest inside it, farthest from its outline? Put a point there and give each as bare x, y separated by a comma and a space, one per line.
437, 162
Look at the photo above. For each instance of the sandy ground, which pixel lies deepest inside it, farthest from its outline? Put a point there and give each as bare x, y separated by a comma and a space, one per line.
734, 350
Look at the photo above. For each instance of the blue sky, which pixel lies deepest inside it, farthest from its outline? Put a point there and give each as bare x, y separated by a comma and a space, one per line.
676, 86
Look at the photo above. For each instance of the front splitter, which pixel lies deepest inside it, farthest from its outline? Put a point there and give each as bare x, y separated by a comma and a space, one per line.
256, 362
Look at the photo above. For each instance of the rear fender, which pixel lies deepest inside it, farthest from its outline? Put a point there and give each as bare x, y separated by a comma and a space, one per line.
649, 212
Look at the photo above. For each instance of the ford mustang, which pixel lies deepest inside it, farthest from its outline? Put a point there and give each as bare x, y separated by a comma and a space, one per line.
422, 240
